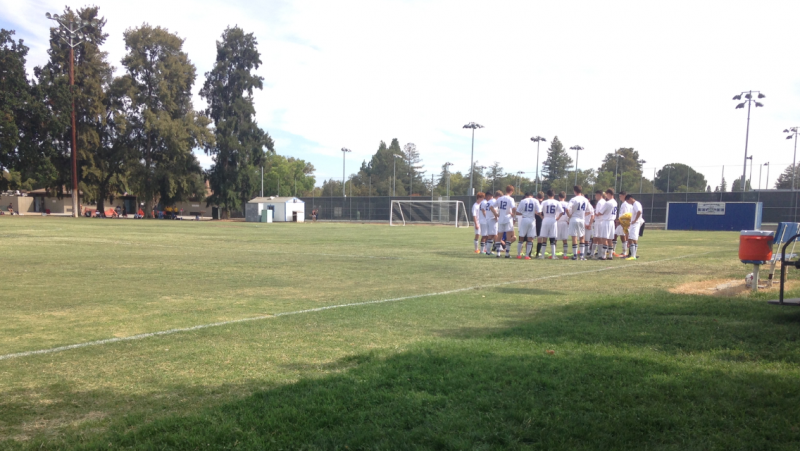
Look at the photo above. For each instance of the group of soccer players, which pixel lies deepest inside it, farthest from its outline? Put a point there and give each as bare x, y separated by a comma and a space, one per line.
594, 226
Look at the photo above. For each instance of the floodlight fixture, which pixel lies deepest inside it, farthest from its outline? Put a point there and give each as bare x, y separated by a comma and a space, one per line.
472, 126
537, 140
749, 96
793, 134
577, 149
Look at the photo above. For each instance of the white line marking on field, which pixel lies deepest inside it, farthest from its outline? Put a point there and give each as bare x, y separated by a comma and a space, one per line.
329, 307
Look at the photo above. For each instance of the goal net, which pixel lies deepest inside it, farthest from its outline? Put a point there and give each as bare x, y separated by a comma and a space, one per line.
452, 212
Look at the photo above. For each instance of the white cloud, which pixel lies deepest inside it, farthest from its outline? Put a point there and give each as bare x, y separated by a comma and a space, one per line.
655, 76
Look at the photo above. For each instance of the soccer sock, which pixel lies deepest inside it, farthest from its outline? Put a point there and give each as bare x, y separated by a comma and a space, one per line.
538, 248
519, 247
605, 251
583, 249
553, 246
624, 248
529, 248
477, 242
489, 245
633, 250
574, 249
610, 253
614, 247
565, 248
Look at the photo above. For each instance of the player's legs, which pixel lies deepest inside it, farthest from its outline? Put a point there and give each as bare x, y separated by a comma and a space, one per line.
478, 236
633, 238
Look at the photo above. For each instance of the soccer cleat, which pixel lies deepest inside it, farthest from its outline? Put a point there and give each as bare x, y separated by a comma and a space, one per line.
541, 257
477, 251
631, 258
519, 257
527, 258
508, 256
574, 257
602, 258
565, 257
610, 258
552, 257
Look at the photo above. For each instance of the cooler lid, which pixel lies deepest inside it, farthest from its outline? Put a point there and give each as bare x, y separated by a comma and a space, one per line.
756, 233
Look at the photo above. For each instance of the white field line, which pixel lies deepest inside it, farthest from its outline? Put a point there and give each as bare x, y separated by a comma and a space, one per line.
329, 307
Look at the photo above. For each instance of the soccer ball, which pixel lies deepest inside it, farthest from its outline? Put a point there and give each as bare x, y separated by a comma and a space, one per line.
748, 280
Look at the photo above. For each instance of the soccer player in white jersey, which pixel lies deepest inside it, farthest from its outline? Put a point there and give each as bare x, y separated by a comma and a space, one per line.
563, 223
506, 210
527, 209
597, 240
607, 215
578, 207
476, 218
619, 232
490, 214
637, 223
551, 208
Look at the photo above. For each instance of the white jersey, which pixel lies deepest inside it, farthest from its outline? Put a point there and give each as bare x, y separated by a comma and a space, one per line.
476, 211
564, 209
505, 208
636, 208
551, 208
578, 207
598, 208
486, 208
625, 208
609, 210
589, 210
528, 207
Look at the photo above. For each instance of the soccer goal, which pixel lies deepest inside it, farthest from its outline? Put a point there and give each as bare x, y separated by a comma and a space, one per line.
428, 212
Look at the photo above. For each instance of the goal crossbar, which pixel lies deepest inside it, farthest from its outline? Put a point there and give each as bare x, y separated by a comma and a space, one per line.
435, 211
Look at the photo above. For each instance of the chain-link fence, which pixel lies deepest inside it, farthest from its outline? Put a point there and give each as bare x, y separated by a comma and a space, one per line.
779, 205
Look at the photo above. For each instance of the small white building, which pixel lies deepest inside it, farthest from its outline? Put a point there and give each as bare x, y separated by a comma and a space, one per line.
284, 209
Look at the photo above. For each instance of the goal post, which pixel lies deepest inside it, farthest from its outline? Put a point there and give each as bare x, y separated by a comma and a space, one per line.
428, 212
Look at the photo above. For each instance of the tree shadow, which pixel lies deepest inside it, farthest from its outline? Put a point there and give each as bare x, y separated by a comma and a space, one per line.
466, 396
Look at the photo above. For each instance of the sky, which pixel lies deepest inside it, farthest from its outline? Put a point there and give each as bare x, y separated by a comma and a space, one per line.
655, 76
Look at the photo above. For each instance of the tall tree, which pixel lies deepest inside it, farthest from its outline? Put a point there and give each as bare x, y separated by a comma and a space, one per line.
93, 75
737, 185
239, 147
557, 165
674, 176
493, 173
163, 126
785, 179
415, 166
15, 104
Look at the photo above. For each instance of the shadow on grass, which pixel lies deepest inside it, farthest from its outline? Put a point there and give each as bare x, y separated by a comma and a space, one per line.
498, 389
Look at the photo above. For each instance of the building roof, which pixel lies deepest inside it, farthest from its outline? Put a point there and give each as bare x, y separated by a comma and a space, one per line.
275, 200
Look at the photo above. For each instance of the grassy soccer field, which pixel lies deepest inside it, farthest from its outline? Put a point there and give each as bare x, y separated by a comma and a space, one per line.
470, 352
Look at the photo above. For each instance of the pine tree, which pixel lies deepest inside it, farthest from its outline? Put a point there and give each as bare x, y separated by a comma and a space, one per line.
239, 144
557, 165
417, 174
163, 126
785, 179
723, 186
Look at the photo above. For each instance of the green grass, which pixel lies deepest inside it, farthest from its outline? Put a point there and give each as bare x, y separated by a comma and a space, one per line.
634, 366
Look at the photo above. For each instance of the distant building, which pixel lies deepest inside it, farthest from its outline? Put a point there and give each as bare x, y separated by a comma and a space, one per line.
284, 209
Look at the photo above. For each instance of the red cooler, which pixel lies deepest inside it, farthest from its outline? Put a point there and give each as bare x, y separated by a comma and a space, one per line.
755, 246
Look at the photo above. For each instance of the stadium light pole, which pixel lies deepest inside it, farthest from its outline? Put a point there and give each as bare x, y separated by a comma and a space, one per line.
750, 100
473, 126
70, 30
480, 168
345, 151
616, 170
447, 171
793, 133
519, 179
751, 171
766, 182
537, 140
577, 149
641, 176
394, 173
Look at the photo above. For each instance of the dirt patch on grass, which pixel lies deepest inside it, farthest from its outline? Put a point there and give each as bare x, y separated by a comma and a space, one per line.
724, 287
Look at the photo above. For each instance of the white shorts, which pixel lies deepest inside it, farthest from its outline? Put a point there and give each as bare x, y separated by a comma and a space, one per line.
619, 231
505, 227
491, 228
484, 229
606, 230
633, 231
549, 228
577, 227
563, 231
527, 228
